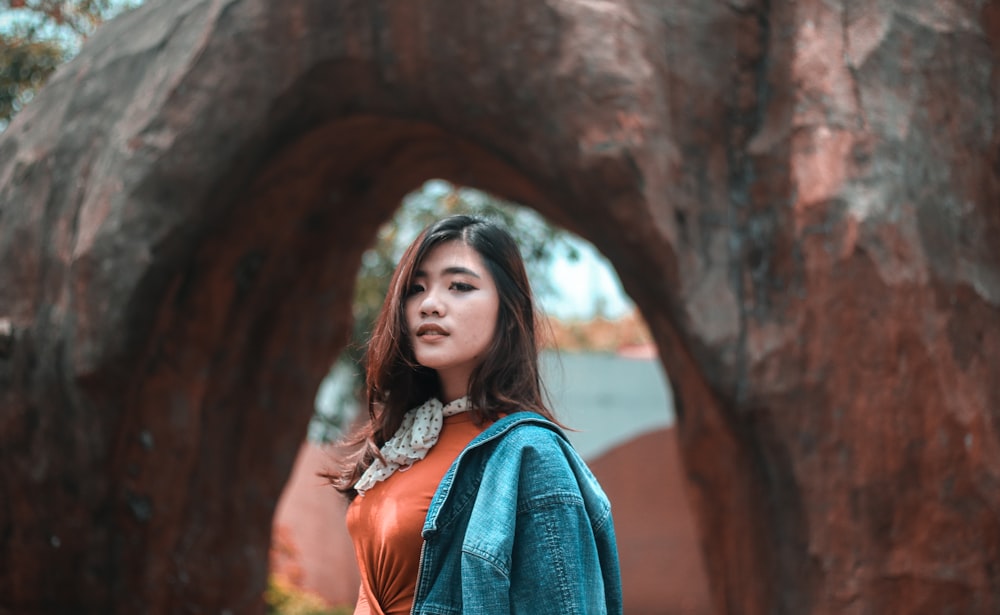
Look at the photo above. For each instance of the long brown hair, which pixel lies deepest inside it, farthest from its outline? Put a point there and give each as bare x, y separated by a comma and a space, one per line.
506, 381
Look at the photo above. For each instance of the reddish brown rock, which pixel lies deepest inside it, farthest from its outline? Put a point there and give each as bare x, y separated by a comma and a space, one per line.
801, 197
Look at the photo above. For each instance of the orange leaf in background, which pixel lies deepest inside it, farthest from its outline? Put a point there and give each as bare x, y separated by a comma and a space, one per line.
17, 4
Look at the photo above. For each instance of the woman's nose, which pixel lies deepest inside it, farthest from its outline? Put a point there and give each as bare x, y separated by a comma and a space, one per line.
431, 303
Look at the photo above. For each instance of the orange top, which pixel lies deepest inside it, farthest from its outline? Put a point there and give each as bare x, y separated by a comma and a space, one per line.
385, 523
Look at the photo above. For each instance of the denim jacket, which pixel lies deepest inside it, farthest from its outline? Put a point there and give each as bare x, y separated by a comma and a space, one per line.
518, 525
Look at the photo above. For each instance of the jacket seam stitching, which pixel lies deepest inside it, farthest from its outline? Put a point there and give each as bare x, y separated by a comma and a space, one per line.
489, 558
556, 546
549, 500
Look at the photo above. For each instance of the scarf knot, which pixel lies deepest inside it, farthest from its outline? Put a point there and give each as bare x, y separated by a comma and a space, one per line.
416, 435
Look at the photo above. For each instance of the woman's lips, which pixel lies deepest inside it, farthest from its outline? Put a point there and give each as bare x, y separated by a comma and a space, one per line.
429, 330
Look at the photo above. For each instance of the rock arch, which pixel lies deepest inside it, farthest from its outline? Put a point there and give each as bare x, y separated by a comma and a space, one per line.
805, 215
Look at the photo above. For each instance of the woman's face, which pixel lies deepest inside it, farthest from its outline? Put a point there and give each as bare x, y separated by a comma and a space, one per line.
451, 314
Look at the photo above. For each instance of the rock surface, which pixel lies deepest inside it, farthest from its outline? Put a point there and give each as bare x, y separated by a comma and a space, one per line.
801, 197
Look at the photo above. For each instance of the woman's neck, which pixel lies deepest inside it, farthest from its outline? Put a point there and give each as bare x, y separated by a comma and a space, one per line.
452, 388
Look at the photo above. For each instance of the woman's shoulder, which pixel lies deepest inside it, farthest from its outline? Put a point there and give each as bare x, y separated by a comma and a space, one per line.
528, 438
535, 455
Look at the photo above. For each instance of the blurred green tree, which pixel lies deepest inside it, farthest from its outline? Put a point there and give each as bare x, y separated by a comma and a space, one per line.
36, 36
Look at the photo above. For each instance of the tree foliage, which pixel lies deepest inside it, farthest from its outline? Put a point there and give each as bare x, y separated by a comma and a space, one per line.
38, 35
24, 67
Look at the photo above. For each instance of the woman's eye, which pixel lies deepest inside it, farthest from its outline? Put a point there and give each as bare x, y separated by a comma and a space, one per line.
462, 287
414, 289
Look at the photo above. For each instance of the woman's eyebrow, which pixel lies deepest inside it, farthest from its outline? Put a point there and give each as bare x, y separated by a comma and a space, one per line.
461, 270
420, 273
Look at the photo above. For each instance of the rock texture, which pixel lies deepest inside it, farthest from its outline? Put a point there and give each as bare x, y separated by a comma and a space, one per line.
800, 196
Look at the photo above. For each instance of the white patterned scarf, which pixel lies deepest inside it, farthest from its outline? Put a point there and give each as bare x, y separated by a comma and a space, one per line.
416, 435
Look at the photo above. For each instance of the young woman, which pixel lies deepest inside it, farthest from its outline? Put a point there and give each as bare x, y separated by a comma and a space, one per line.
466, 496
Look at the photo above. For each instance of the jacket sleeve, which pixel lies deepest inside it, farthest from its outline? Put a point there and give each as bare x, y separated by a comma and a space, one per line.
561, 554
559, 571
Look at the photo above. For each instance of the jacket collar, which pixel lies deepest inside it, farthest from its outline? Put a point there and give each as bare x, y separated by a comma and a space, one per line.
510, 421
